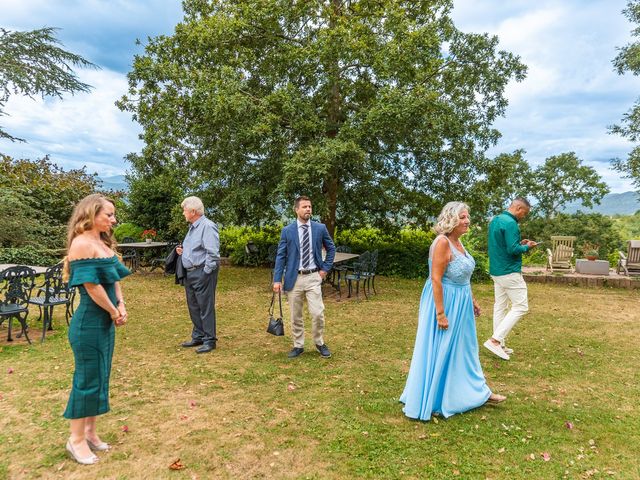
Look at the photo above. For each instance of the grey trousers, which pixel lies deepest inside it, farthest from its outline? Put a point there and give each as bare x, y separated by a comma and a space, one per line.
200, 288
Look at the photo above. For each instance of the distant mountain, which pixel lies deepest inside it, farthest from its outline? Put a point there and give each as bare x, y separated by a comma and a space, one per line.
116, 183
626, 203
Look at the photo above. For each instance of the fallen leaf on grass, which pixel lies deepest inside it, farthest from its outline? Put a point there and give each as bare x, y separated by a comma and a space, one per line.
501, 450
125, 429
10, 370
546, 456
569, 425
177, 465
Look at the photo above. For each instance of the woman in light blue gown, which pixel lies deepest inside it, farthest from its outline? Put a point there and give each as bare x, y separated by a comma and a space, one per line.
445, 376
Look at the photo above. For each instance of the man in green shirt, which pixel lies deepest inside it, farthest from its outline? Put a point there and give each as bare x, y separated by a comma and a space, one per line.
505, 267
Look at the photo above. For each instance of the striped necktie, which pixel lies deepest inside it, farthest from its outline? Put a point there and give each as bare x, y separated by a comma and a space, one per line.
305, 247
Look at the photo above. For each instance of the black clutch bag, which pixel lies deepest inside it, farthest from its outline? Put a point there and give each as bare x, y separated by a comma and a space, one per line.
275, 327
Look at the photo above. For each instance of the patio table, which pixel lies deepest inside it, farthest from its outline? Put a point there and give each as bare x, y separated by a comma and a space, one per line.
38, 269
141, 246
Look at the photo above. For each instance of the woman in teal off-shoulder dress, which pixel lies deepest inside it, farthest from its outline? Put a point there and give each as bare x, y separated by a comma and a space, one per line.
93, 267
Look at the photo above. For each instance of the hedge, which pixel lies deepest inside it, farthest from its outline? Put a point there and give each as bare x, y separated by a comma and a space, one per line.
30, 255
404, 253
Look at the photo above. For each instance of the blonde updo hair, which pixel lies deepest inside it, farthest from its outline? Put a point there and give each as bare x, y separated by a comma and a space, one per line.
82, 220
449, 217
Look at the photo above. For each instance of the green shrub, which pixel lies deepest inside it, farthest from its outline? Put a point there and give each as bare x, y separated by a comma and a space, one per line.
586, 227
536, 257
128, 230
404, 254
234, 239
30, 255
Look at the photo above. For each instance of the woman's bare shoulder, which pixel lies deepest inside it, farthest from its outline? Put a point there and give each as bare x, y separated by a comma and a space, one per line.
441, 249
82, 247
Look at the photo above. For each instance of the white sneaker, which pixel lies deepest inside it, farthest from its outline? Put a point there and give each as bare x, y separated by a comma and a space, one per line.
496, 349
507, 350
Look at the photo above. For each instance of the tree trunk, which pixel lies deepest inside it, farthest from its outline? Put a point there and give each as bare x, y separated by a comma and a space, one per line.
330, 185
330, 190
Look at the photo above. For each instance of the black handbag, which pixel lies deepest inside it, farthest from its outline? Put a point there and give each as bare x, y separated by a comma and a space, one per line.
275, 327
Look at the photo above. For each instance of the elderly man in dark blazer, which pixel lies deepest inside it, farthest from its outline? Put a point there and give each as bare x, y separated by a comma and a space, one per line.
299, 257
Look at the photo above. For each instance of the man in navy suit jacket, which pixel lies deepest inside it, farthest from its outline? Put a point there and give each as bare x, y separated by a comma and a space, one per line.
299, 257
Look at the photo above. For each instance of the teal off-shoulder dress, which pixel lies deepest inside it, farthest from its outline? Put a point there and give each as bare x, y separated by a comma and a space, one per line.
92, 336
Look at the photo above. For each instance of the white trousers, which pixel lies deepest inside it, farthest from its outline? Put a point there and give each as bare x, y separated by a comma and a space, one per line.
512, 289
309, 286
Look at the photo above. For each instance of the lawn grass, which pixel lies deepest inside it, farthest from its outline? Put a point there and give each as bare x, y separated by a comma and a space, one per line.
246, 411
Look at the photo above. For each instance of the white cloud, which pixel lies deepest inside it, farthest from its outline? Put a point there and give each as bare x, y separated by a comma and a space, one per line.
570, 97
571, 93
84, 129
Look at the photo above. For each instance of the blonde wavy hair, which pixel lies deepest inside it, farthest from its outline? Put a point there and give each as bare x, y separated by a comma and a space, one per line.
82, 219
449, 217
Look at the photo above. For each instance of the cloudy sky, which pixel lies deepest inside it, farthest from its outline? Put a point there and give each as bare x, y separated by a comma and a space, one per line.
570, 96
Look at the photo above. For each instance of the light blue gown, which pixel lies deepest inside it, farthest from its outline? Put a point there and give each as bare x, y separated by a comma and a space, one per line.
445, 376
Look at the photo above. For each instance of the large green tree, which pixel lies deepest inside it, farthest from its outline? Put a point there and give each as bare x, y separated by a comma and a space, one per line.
32, 63
504, 178
562, 179
628, 60
378, 109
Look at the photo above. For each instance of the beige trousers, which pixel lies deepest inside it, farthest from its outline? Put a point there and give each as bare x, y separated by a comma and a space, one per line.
508, 289
309, 286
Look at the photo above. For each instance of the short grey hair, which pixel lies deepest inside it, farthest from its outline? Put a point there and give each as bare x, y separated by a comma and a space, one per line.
521, 200
449, 217
193, 203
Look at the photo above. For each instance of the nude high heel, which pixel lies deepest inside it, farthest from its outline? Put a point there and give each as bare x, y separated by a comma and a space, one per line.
82, 461
98, 447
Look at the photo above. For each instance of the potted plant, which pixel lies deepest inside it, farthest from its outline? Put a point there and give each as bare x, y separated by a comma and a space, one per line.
149, 235
590, 251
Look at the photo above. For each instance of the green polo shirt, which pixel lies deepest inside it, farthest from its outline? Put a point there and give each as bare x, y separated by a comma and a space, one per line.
505, 251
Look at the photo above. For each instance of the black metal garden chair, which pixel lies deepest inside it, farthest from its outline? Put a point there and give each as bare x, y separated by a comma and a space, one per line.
338, 272
271, 258
130, 256
358, 274
16, 284
52, 292
370, 273
160, 261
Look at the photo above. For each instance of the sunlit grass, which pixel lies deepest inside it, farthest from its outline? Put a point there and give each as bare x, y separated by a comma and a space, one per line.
246, 411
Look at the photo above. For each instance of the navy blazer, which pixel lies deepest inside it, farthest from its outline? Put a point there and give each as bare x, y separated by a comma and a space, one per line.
288, 256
